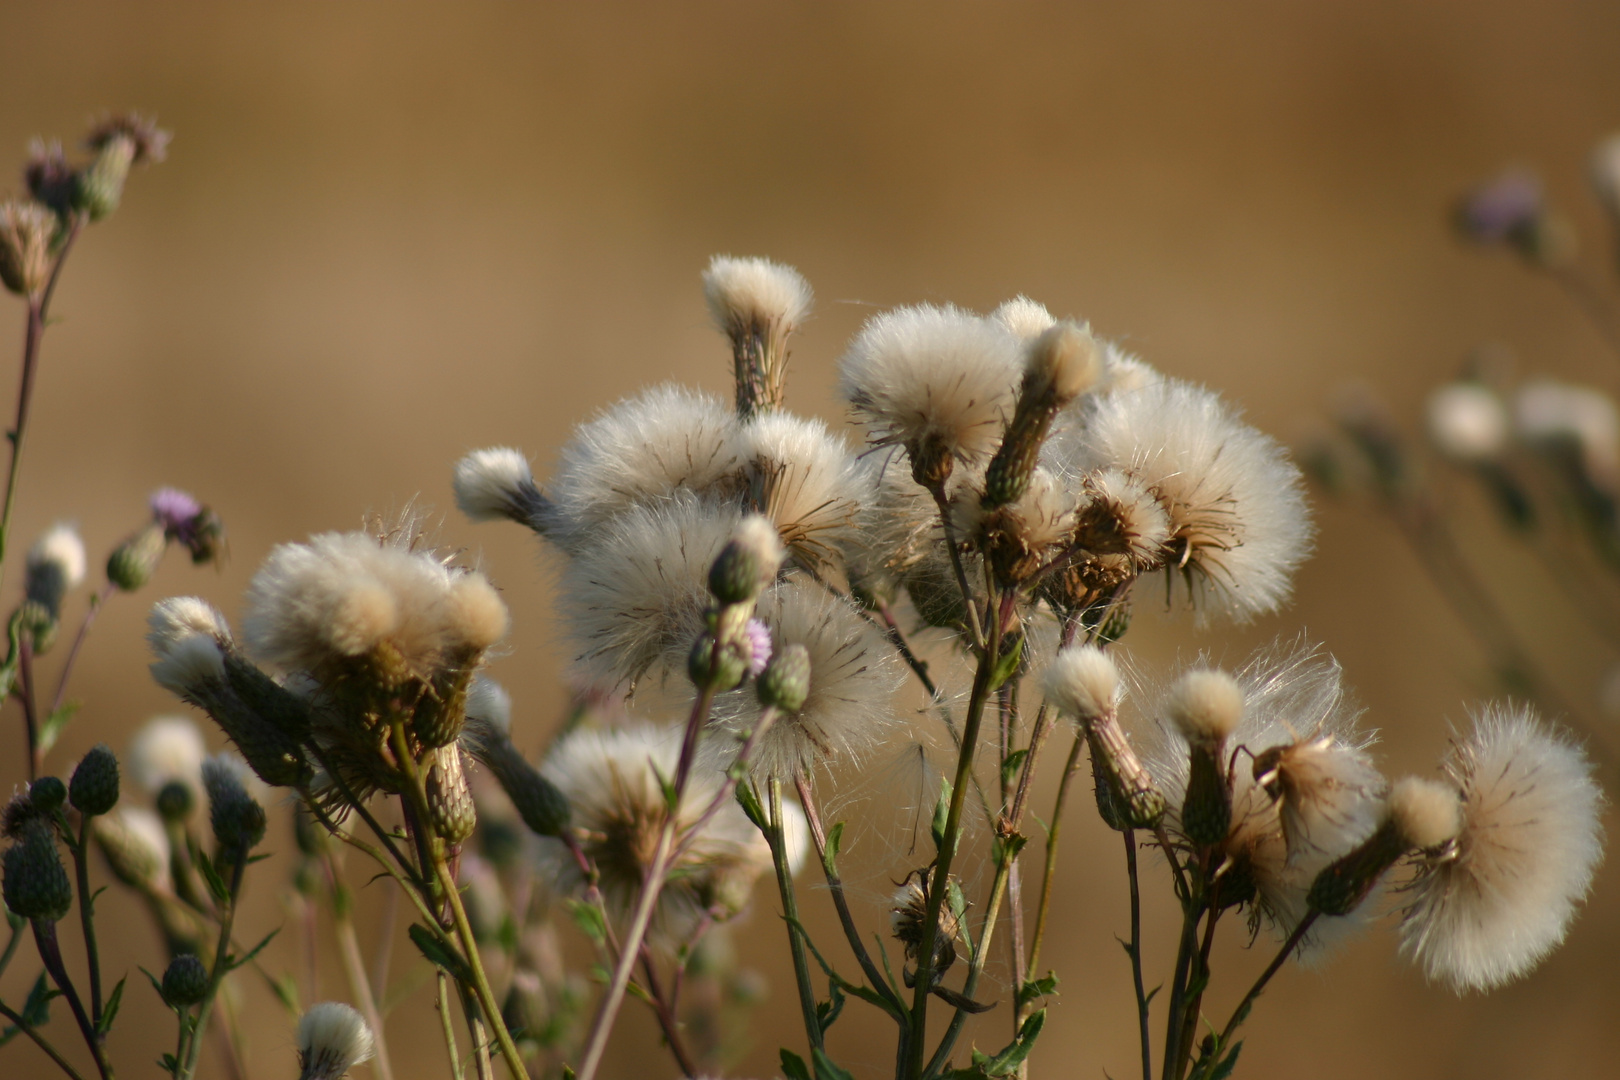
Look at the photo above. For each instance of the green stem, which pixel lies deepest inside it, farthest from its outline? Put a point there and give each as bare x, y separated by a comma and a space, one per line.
947, 849
39, 1040
1186, 950
50, 951
449, 1026
998, 889
790, 913
1142, 1010
1049, 872
222, 956
1242, 1011
87, 916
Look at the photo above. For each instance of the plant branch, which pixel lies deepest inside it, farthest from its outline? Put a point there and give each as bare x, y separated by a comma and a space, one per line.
39, 1040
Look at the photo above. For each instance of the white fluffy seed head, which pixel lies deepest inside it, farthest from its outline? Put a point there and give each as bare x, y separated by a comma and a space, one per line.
179, 617
667, 440
488, 700
804, 479
1236, 504
332, 1039
1082, 682
1468, 422
187, 636
1065, 360
1426, 813
1549, 412
1024, 318
744, 292
1129, 511
757, 535
496, 483
60, 550
1206, 706
932, 376
1491, 908
166, 749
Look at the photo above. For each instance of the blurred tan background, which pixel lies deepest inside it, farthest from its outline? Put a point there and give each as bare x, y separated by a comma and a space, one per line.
391, 233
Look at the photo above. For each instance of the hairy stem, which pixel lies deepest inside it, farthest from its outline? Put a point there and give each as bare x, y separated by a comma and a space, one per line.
50, 951
39, 1040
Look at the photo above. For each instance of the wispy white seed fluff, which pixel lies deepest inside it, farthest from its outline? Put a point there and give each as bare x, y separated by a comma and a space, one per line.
929, 376
1236, 504
1206, 706
613, 780
1547, 412
744, 292
186, 635
1082, 682
1125, 510
345, 594
167, 748
805, 480
1024, 318
633, 601
59, 551
488, 700
853, 677
1021, 536
1468, 422
1063, 362
497, 483
665, 440
1494, 907
1426, 813
332, 1039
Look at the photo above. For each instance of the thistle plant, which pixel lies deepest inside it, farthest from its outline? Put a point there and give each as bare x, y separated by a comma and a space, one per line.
750, 600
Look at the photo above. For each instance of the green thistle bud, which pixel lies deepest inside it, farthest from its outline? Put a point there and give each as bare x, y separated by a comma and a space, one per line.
1206, 814
48, 794
719, 668
450, 802
36, 885
38, 624
185, 981
175, 801
442, 709
236, 817
94, 788
100, 186
1133, 799
266, 698
1063, 362
133, 562
785, 682
542, 807
734, 577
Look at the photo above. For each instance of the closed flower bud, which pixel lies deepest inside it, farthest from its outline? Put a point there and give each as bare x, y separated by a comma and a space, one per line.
1205, 707
542, 807
55, 566
36, 886
175, 800
719, 667
26, 230
49, 177
94, 787
1420, 815
450, 802
135, 845
119, 142
785, 682
133, 562
1062, 363
236, 817
185, 981
48, 794
747, 563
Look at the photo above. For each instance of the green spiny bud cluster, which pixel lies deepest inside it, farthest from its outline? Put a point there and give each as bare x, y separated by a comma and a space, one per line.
48, 794
236, 817
450, 803
185, 981
133, 562
94, 787
36, 885
542, 807
785, 682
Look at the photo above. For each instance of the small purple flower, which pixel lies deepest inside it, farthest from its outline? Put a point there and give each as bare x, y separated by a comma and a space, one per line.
759, 646
174, 510
1507, 204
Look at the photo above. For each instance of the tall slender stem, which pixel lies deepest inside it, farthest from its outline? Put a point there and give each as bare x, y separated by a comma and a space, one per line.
50, 951
39, 1040
947, 849
1049, 872
97, 602
354, 967
87, 916
790, 912
1142, 1011
981, 953
222, 957
448, 1025
664, 1009
25, 693
1287, 950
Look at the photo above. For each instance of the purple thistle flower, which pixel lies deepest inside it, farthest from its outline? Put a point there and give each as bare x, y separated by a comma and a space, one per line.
1502, 206
759, 646
174, 510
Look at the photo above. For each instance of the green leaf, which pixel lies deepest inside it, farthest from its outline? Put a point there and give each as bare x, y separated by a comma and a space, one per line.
1007, 1061
216, 884
942, 813
440, 954
231, 963
835, 840
157, 984
667, 786
285, 988
793, 1066
1006, 848
1010, 766
115, 999
1007, 663
1045, 986
827, 1011
55, 724
588, 917
1228, 1063
748, 799
825, 1069
37, 1009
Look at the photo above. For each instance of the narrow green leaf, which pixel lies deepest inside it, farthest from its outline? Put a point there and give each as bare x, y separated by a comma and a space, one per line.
588, 917
835, 841
793, 1066
1007, 663
827, 1012
216, 884
825, 1069
1228, 1063
285, 987
440, 954
942, 813
1045, 986
1006, 848
55, 724
1010, 766
108, 1014
748, 799
36, 1010
233, 963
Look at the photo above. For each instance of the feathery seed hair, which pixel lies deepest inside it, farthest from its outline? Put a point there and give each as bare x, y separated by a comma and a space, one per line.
1024, 318
498, 483
933, 380
805, 480
1082, 682
744, 292
1236, 504
1492, 908
332, 1039
666, 440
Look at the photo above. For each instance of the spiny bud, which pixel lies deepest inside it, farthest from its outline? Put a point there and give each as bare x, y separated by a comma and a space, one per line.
1063, 362
118, 142
36, 886
719, 664
449, 799
175, 800
94, 787
49, 177
135, 846
133, 562
747, 563
1133, 801
538, 802
48, 794
785, 682
26, 231
236, 817
1420, 815
185, 981
442, 710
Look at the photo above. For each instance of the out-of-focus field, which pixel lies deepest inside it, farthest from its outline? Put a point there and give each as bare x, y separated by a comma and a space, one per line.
388, 234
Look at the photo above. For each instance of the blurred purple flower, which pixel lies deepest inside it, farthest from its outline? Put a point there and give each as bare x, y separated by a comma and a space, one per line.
1502, 206
759, 646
